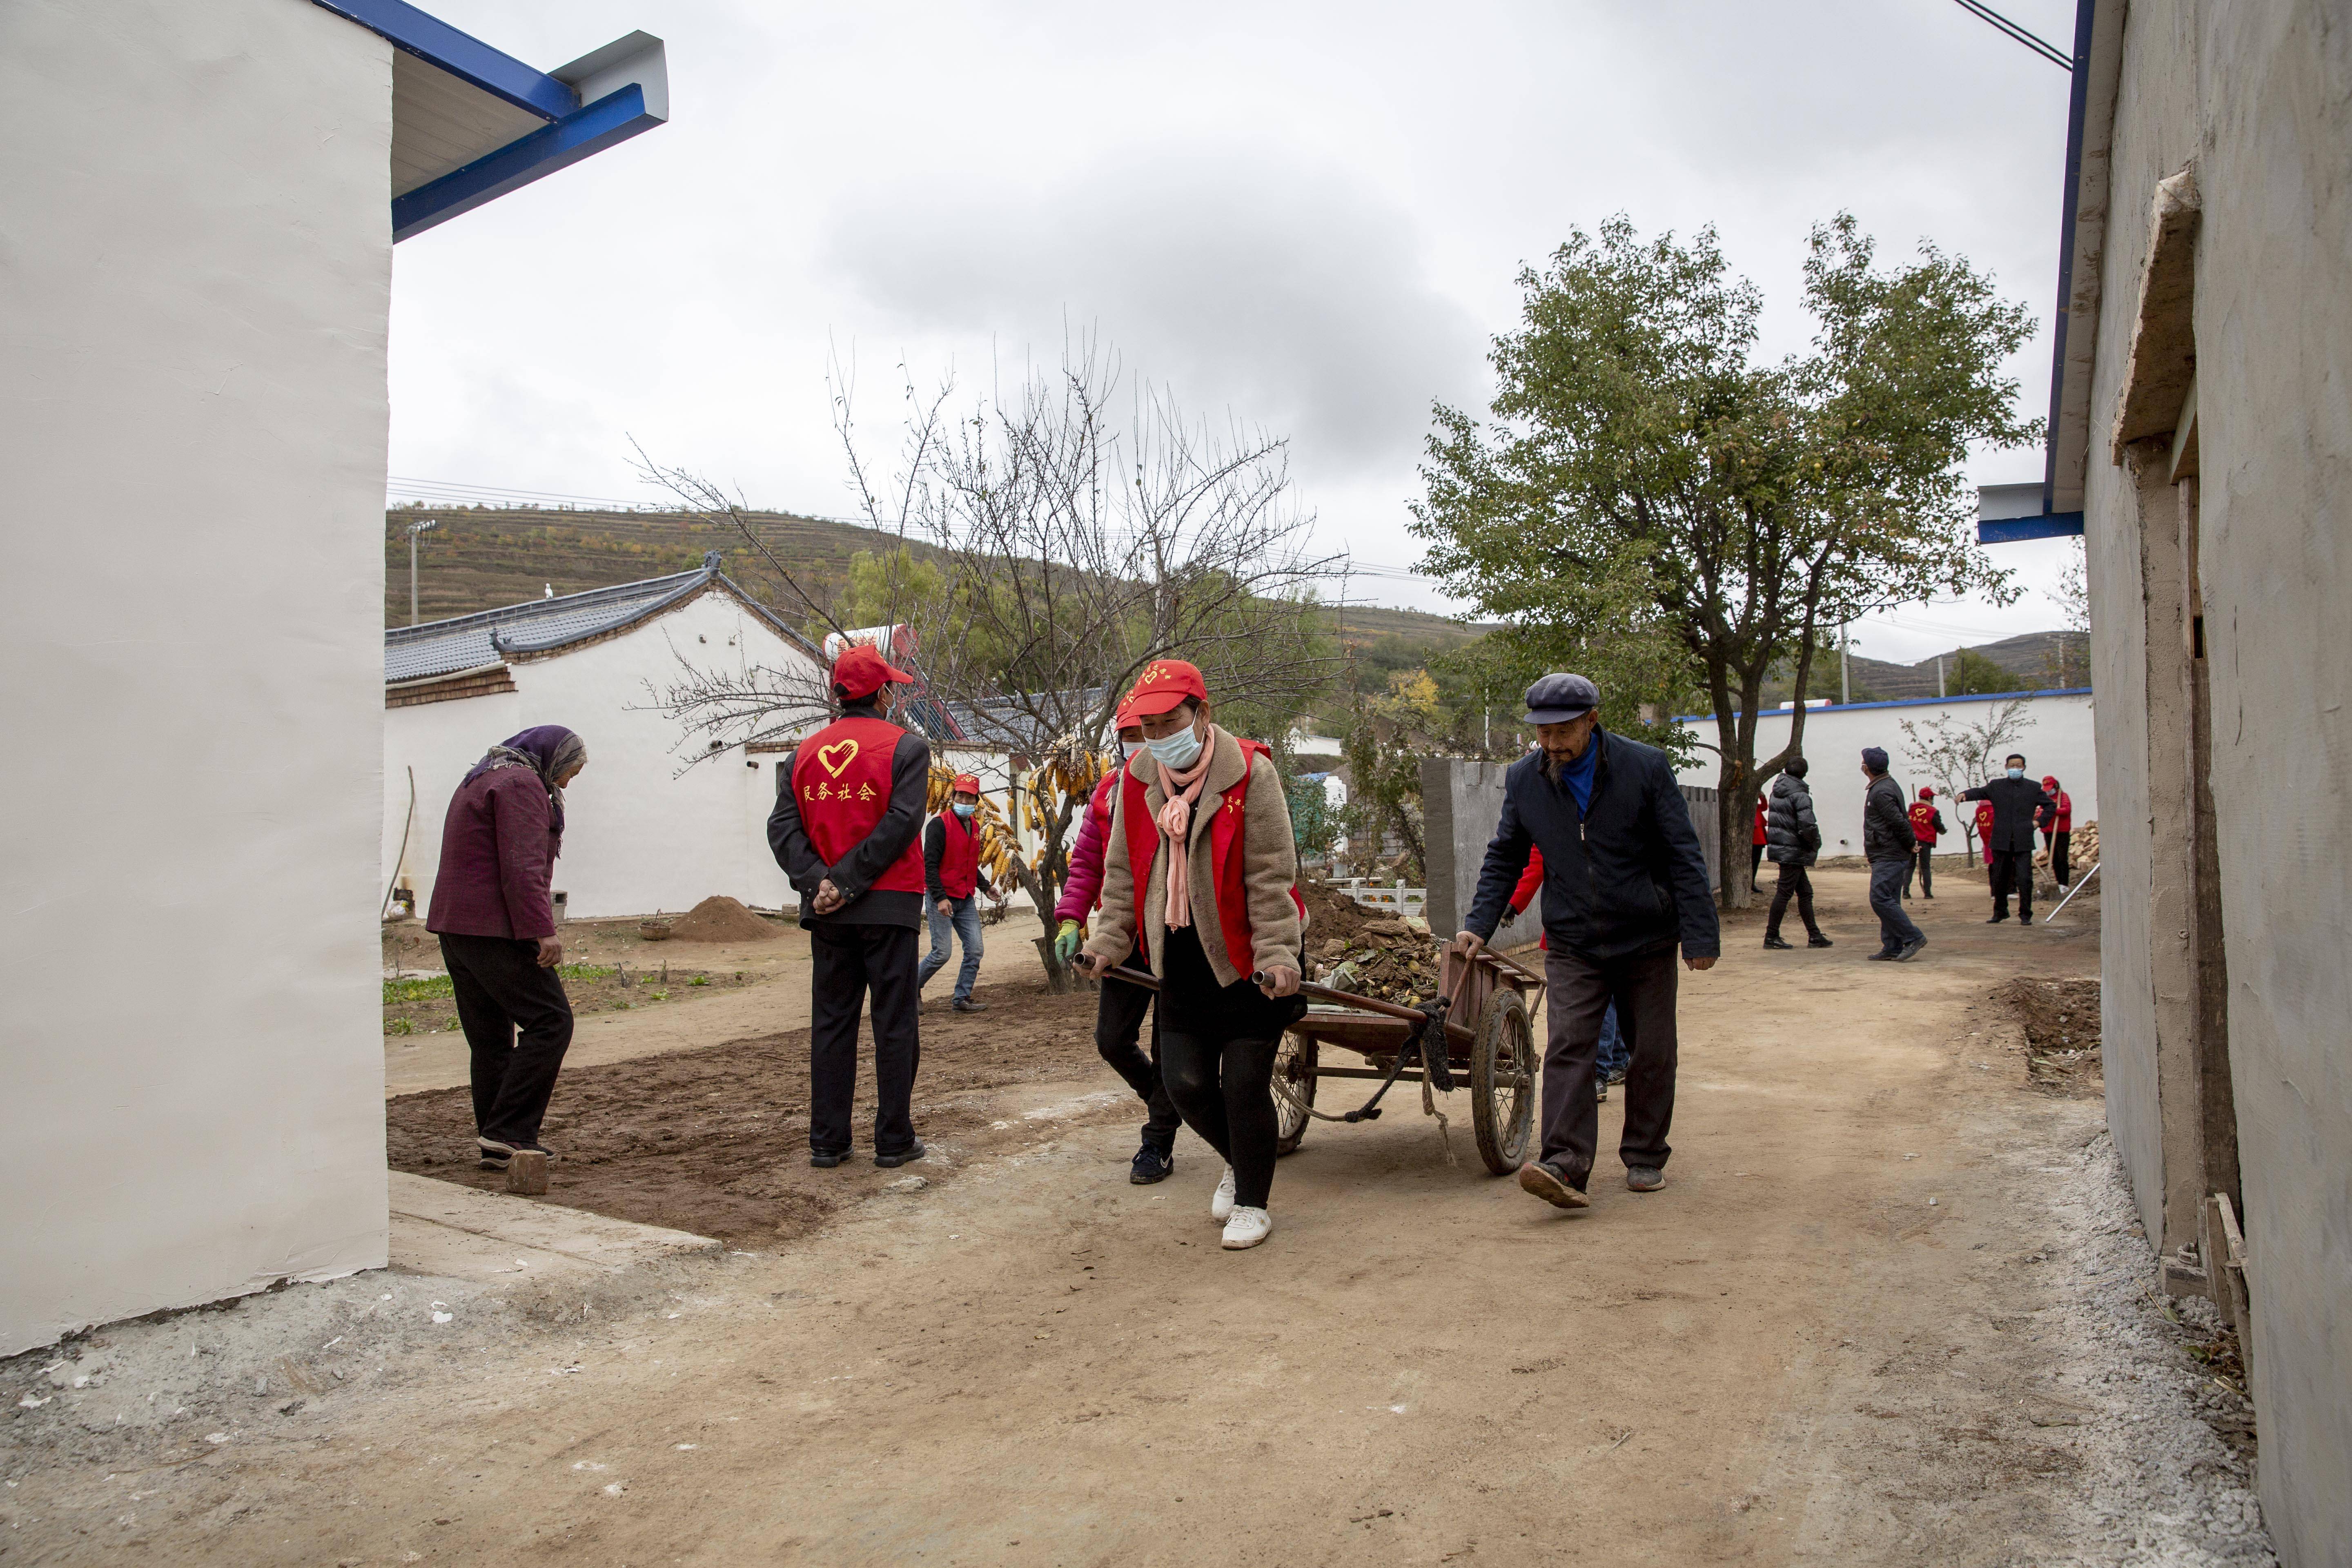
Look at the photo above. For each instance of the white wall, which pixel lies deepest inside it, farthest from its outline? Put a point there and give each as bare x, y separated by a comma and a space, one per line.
2056, 739
640, 834
195, 258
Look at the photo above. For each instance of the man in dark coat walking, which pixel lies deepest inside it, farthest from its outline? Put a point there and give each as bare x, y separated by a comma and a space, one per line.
1890, 845
2015, 801
1793, 840
1624, 880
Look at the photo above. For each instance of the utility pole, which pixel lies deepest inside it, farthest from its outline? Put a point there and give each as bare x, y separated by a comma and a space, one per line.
1845, 681
414, 529
1939, 678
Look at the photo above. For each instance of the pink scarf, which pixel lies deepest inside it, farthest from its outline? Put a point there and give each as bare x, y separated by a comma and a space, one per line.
1175, 817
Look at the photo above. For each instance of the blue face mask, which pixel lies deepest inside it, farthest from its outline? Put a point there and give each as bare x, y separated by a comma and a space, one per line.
1129, 748
2017, 772
962, 809
1179, 749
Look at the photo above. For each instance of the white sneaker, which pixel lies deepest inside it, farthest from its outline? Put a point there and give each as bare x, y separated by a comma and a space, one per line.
1247, 1228
1221, 1207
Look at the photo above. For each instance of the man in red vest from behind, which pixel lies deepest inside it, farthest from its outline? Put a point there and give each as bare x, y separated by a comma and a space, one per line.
849, 806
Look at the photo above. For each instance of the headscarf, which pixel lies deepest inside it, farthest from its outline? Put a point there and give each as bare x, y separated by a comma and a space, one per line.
551, 751
1180, 790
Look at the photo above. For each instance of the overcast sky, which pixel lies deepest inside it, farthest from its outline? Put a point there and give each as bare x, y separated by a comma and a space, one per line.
1307, 216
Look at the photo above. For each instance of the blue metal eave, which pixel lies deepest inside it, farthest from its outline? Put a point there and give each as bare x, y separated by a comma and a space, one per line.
581, 134
460, 54
2015, 529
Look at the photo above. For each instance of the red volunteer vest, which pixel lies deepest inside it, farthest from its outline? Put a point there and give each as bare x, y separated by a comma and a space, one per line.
1143, 841
958, 857
1923, 822
841, 782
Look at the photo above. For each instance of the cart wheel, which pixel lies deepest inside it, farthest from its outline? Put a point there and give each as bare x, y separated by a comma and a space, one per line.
1503, 1082
1293, 1089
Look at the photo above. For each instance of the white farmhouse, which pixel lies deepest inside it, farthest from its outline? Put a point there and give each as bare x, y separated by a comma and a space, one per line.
657, 822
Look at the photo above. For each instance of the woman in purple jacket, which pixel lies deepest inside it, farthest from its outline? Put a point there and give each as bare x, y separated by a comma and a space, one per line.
492, 911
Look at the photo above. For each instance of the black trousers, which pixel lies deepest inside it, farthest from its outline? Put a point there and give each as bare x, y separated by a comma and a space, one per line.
1225, 1090
1794, 883
2013, 869
1642, 987
1755, 862
518, 1025
1118, 1023
847, 962
2060, 871
1923, 866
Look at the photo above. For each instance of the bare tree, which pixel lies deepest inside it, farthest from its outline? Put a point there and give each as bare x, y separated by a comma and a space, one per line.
1954, 755
1042, 549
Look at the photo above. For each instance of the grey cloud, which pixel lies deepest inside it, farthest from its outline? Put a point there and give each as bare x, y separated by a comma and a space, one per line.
1290, 294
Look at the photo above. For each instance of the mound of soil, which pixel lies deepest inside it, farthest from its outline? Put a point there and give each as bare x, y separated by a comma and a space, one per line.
1332, 913
715, 1141
721, 919
2062, 1034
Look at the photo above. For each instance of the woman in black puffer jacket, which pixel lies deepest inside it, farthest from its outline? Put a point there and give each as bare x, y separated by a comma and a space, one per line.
1792, 841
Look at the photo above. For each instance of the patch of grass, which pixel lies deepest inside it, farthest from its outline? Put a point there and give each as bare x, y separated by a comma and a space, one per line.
398, 992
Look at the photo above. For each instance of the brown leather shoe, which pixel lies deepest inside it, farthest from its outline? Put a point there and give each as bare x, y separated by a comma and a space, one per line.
1549, 1185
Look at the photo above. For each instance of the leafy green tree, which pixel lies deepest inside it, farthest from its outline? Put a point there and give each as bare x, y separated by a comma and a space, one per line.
1975, 675
1643, 478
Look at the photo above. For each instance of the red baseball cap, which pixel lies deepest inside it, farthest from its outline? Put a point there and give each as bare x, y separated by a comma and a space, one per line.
966, 782
1926, 795
861, 672
1164, 683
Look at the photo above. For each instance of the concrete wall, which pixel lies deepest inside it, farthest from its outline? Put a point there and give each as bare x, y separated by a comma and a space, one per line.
196, 257
2056, 739
643, 832
2260, 96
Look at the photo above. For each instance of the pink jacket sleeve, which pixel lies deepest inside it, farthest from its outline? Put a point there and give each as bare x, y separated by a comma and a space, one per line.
1085, 883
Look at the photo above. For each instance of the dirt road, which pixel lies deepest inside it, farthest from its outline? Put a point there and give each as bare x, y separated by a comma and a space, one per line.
1889, 1310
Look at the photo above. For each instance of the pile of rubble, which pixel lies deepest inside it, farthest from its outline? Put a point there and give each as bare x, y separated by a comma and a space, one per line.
1394, 960
2082, 850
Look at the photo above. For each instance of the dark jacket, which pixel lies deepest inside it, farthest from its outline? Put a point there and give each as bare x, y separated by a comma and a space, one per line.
935, 850
1886, 822
1625, 877
2014, 803
854, 873
1791, 834
498, 858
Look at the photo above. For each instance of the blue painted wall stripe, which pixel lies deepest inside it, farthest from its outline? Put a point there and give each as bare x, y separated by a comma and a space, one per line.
1813, 708
581, 135
2014, 529
460, 54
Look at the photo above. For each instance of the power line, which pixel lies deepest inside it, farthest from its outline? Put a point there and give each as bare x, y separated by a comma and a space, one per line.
2042, 46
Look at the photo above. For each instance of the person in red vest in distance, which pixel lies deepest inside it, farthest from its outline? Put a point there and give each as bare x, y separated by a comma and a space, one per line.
1926, 827
1756, 848
849, 806
2057, 826
1200, 874
1118, 1007
1984, 830
951, 874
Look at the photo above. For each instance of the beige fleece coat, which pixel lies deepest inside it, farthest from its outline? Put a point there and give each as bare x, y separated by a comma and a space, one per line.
1269, 868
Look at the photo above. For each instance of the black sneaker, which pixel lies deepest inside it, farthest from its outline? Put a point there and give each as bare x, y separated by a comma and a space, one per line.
1776, 945
1998, 919
1884, 957
966, 1004
827, 1159
496, 1155
1612, 1080
1552, 1187
891, 1161
1645, 1178
1818, 939
1150, 1166
1911, 949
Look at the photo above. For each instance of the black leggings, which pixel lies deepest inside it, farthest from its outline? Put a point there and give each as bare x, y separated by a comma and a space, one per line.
1224, 1089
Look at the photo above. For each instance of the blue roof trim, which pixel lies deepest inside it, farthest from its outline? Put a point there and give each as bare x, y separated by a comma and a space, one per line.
431, 39
1812, 707
2016, 530
581, 134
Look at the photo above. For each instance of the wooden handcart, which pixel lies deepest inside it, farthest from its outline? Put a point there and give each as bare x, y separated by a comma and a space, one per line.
1483, 1012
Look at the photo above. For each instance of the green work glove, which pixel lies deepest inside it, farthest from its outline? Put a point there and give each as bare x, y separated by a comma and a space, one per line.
1065, 943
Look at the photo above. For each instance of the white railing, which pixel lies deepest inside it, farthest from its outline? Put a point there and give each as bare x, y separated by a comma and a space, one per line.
1388, 898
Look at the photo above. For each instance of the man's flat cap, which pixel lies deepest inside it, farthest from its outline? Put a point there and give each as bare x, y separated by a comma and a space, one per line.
1557, 699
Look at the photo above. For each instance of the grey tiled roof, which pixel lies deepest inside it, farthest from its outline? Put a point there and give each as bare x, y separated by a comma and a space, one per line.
466, 642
